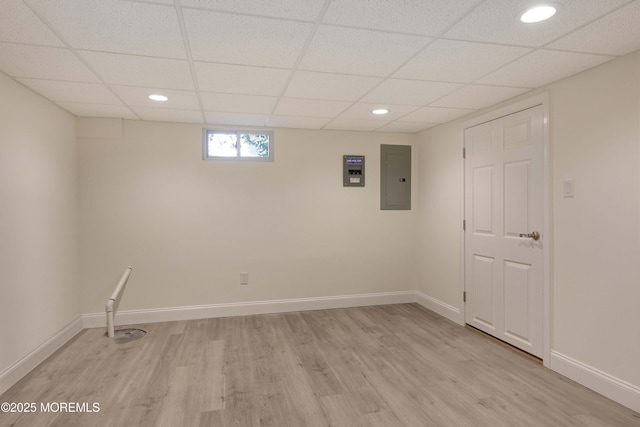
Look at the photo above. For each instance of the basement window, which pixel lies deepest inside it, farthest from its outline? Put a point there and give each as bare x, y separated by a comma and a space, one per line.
237, 145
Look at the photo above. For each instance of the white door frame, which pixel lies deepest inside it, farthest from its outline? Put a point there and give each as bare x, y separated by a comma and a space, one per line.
547, 230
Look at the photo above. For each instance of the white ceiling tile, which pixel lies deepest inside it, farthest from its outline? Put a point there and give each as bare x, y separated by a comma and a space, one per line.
362, 111
436, 114
139, 97
247, 40
130, 70
336, 87
455, 61
310, 107
498, 21
167, 2
616, 34
427, 17
241, 79
362, 52
411, 127
60, 91
97, 110
238, 119
43, 63
409, 92
168, 115
541, 67
320, 56
234, 103
478, 96
116, 26
355, 124
297, 122
307, 10
19, 24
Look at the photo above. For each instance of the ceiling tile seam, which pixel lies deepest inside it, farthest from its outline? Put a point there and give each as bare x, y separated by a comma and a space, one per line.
473, 82
546, 49
380, 128
235, 64
418, 52
151, 2
399, 119
164, 108
108, 52
434, 35
542, 48
531, 52
187, 49
377, 30
20, 76
598, 18
251, 15
56, 101
490, 43
77, 55
463, 16
581, 52
431, 104
427, 126
386, 123
385, 78
31, 44
297, 115
303, 52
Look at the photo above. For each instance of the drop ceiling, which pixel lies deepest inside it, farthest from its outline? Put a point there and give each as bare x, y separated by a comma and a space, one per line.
313, 64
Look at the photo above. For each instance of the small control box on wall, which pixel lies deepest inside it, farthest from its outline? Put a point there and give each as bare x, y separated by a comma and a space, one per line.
352, 171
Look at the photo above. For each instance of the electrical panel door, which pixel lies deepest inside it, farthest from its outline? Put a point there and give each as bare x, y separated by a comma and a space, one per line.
395, 177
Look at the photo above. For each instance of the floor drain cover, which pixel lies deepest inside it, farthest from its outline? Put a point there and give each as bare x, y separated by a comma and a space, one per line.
126, 335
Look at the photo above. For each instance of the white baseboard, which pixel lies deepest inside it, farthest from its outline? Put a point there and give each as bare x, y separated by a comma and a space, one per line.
133, 317
615, 389
443, 309
22, 367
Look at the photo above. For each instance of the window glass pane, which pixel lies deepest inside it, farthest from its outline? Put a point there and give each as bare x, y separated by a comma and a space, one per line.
254, 145
222, 145
238, 145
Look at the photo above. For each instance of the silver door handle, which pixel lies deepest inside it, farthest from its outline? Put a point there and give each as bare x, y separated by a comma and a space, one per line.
535, 235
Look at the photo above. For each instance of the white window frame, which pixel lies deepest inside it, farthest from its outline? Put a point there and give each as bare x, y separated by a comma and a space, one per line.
238, 157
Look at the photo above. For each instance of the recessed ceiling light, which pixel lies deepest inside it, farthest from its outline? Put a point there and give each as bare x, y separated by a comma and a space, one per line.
160, 98
380, 111
538, 13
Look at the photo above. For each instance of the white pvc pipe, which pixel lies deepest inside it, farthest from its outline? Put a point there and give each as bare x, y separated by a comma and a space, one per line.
114, 301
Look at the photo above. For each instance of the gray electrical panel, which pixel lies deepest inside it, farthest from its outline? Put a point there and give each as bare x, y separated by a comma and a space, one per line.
353, 171
395, 177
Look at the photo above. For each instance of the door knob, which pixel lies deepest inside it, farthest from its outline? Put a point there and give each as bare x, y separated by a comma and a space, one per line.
535, 235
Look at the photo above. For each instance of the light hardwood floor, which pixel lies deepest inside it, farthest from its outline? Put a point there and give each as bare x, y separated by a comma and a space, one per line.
395, 365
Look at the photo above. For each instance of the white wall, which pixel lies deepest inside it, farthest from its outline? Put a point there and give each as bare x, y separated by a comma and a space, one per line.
595, 140
440, 181
189, 227
39, 293
595, 131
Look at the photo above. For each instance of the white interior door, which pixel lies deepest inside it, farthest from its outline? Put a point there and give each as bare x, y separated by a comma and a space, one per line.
504, 223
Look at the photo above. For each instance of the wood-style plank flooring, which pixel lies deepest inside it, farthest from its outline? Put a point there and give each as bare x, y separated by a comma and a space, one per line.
395, 365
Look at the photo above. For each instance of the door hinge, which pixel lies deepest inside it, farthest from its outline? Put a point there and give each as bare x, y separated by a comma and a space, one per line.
464, 296
464, 153
464, 225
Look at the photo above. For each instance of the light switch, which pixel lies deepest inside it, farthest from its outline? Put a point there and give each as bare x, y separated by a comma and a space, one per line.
567, 188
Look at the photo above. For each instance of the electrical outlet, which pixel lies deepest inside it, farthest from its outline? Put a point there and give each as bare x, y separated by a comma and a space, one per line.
244, 278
